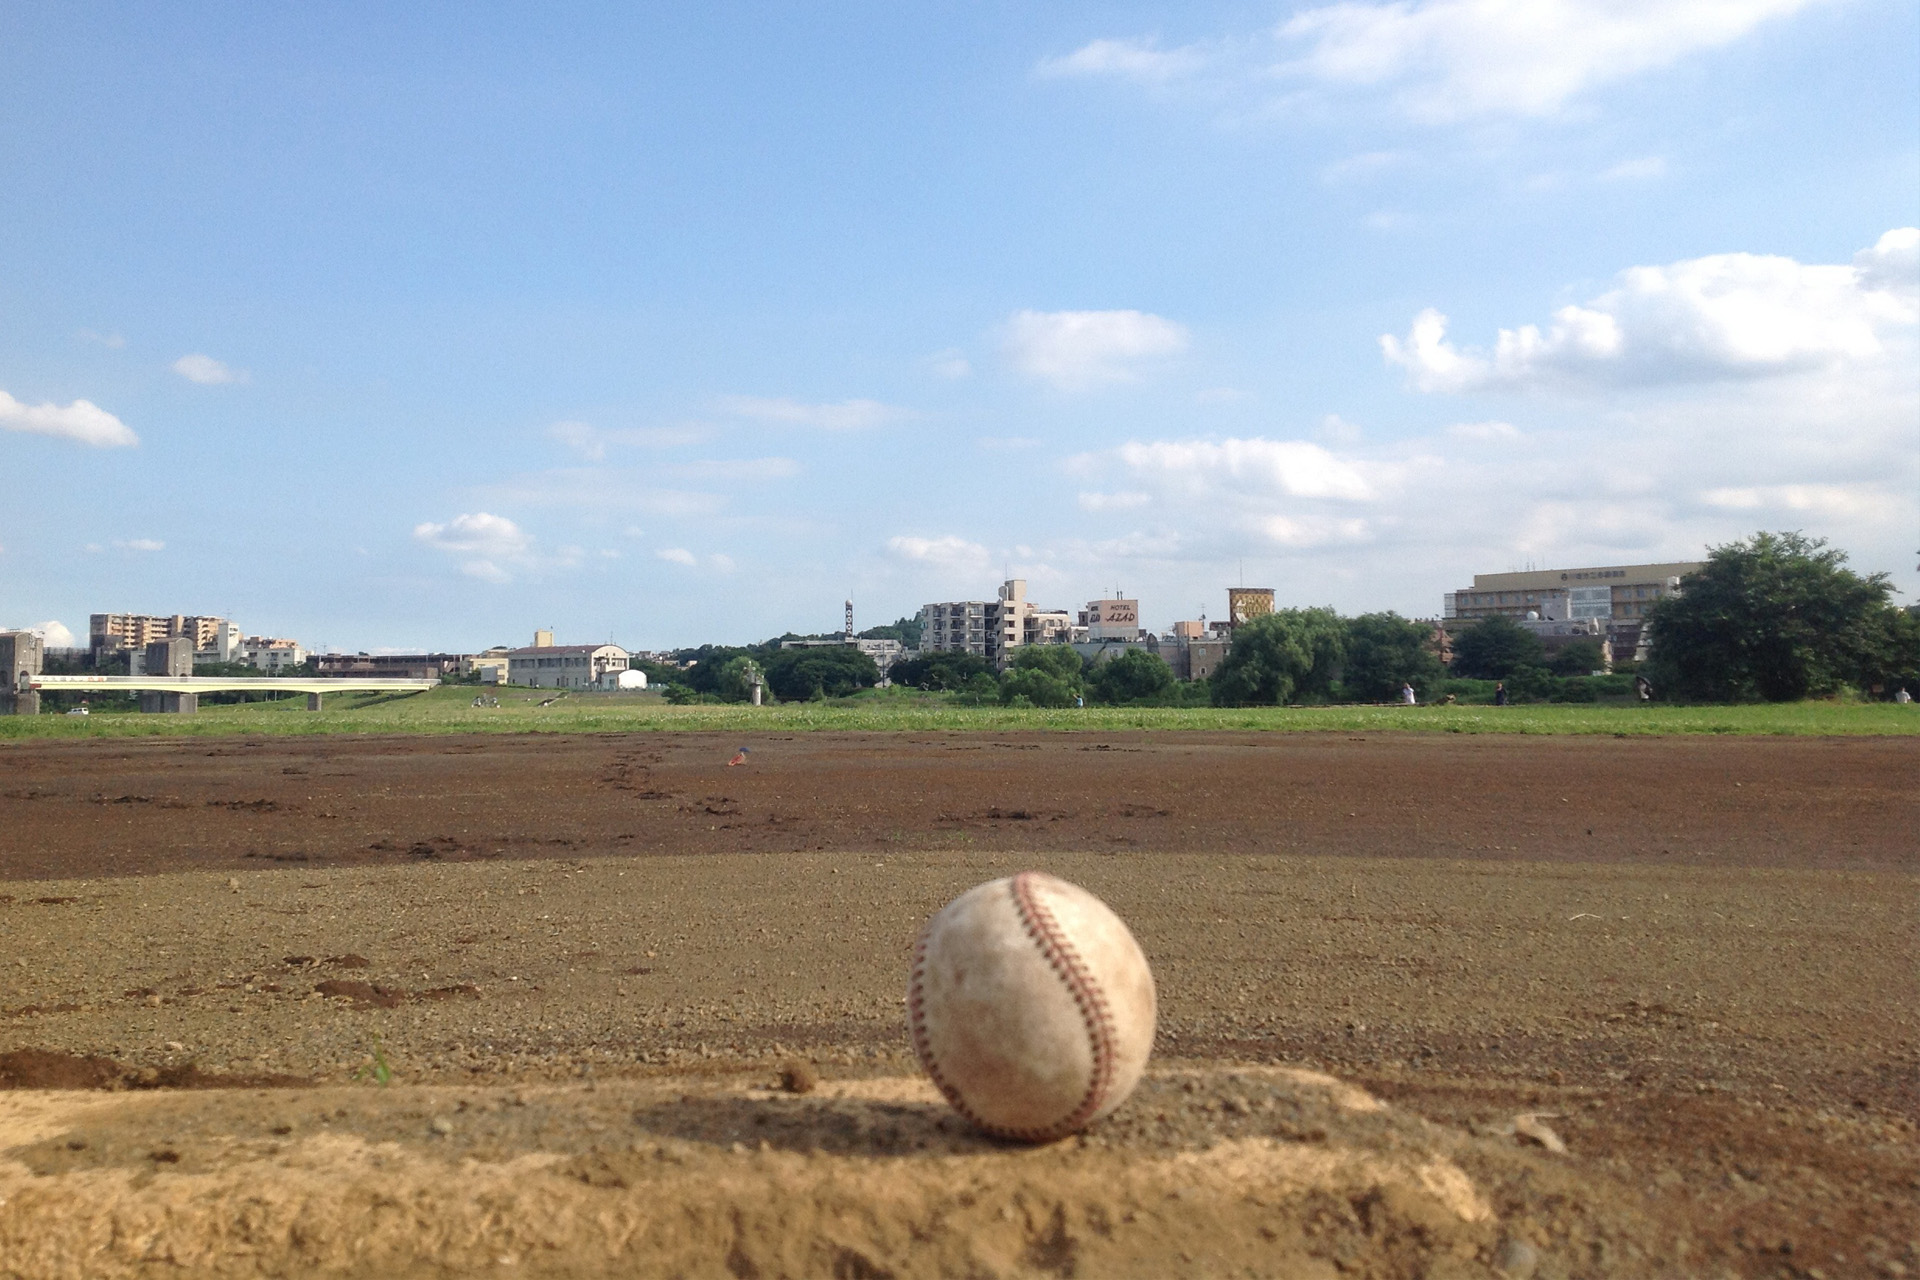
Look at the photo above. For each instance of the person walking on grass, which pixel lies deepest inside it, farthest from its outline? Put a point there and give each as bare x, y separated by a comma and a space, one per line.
1407, 694
1499, 693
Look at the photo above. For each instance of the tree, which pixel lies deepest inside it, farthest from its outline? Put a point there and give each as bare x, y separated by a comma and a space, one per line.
1288, 654
1030, 686
1577, 658
1495, 648
1777, 616
1047, 675
796, 675
706, 664
1384, 652
941, 670
1061, 660
736, 679
905, 630
1133, 675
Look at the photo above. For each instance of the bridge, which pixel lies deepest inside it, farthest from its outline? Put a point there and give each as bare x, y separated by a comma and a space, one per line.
181, 693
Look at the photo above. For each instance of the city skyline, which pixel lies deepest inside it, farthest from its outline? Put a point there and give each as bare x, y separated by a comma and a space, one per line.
392, 334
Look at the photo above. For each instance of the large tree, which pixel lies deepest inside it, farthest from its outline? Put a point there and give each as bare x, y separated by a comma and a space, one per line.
1047, 675
831, 671
1287, 655
1384, 652
1133, 675
941, 670
1495, 648
1777, 616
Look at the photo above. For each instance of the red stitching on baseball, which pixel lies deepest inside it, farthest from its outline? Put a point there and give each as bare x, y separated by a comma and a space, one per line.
917, 1027
1092, 1002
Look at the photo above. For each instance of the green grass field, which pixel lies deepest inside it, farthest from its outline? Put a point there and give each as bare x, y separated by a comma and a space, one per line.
451, 710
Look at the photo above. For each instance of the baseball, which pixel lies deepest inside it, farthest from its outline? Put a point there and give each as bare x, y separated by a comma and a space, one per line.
1031, 1007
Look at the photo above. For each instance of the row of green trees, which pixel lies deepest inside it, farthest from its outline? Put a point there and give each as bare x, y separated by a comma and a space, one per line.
1777, 616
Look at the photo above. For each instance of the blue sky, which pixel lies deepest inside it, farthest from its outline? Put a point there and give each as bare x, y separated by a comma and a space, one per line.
421, 329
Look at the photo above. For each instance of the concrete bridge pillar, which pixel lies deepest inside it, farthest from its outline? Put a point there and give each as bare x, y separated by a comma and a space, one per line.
155, 701
313, 701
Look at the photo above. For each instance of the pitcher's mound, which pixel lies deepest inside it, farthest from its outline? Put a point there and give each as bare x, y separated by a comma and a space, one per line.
1261, 1171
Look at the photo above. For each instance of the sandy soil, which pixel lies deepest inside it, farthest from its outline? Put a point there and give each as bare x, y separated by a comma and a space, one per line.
586, 963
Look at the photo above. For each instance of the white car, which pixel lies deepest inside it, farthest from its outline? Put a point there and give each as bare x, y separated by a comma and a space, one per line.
78, 711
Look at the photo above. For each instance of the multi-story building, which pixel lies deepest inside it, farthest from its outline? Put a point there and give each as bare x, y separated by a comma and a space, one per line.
563, 666
270, 653
1112, 619
955, 626
111, 633
1613, 599
1244, 604
994, 629
403, 666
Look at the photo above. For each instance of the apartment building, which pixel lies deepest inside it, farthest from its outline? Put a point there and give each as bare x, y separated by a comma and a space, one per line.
111, 633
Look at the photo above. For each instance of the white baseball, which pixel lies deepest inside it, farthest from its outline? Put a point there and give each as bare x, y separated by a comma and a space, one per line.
1031, 1006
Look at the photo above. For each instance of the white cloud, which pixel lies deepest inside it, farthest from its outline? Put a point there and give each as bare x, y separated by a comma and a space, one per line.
950, 553
111, 341
1445, 60
1435, 61
53, 634
604, 489
1892, 266
1137, 60
205, 370
732, 469
1280, 468
1125, 501
82, 420
592, 442
486, 571
1827, 501
479, 533
1075, 350
1485, 432
951, 363
1358, 168
847, 415
715, 562
484, 539
139, 544
1731, 315
1642, 169
1337, 430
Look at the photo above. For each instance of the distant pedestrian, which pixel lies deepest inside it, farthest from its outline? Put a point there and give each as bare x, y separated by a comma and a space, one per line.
1406, 694
1643, 688
1902, 696
1499, 693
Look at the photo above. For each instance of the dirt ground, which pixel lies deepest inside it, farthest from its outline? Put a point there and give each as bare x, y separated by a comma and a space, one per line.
1398, 974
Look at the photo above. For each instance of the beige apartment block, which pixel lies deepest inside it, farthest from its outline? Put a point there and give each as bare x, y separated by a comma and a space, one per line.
111, 632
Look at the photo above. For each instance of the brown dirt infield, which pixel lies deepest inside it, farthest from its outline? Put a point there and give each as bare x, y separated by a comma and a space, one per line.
585, 961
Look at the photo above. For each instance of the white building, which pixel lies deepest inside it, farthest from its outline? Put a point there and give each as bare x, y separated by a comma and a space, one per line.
270, 653
627, 680
563, 666
954, 626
